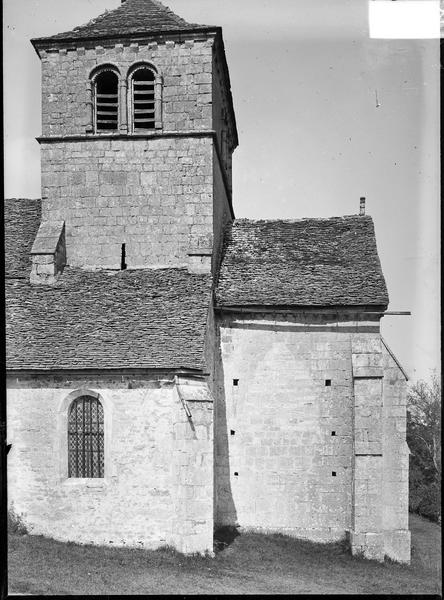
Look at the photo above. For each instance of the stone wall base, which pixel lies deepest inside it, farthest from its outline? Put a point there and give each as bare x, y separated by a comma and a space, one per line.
377, 546
397, 545
321, 535
368, 545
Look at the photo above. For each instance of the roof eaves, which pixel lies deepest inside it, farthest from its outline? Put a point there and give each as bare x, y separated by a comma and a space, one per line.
377, 309
180, 370
41, 43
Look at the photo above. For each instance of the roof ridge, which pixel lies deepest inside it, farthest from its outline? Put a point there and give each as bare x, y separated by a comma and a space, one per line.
131, 17
97, 19
159, 4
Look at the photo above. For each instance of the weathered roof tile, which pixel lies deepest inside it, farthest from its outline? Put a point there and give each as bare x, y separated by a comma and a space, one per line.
132, 17
22, 219
143, 318
310, 262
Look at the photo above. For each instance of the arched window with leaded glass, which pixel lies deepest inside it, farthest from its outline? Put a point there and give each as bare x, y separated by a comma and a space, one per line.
86, 438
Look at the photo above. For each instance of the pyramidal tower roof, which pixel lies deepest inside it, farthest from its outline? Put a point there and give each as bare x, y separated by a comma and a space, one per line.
131, 17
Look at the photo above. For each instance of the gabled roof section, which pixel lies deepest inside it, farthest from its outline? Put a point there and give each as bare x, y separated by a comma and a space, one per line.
138, 319
307, 263
22, 220
132, 17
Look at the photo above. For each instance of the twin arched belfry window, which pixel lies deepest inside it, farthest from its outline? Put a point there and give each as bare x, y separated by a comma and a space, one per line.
133, 104
86, 444
106, 101
142, 95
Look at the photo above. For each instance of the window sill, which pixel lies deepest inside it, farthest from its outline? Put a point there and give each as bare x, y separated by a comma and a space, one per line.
85, 482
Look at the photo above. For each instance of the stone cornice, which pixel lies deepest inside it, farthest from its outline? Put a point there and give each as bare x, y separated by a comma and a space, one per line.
85, 137
48, 43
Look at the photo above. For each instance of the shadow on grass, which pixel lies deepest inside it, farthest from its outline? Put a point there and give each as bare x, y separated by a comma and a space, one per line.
224, 537
244, 562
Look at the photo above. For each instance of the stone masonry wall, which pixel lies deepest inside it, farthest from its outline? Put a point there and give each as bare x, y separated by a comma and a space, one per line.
186, 68
395, 517
380, 493
288, 453
154, 195
158, 485
284, 434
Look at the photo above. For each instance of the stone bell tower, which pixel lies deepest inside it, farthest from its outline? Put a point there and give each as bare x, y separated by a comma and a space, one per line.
138, 131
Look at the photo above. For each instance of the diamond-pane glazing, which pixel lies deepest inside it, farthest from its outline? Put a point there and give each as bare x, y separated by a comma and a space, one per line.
86, 438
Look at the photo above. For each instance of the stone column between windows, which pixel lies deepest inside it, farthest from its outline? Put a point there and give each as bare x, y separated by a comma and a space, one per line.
123, 107
90, 109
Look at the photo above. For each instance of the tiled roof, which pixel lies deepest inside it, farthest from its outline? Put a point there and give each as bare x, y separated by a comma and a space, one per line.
97, 319
22, 218
131, 17
310, 262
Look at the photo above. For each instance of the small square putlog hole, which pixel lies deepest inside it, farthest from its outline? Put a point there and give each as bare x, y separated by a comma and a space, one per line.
236, 474
232, 432
333, 473
333, 433
235, 382
328, 383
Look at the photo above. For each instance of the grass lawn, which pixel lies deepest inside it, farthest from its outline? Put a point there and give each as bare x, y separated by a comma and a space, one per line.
252, 564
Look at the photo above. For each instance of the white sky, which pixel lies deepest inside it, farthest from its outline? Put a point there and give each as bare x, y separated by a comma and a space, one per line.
305, 77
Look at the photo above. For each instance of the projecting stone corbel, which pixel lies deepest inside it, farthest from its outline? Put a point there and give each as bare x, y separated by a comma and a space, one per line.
48, 253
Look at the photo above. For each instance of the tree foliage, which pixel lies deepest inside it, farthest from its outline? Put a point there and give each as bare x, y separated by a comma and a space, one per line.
424, 440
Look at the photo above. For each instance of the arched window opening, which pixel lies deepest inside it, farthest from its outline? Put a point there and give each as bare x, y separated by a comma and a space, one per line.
86, 438
106, 101
143, 102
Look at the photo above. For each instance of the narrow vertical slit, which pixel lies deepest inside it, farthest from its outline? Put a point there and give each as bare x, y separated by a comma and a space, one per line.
123, 258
